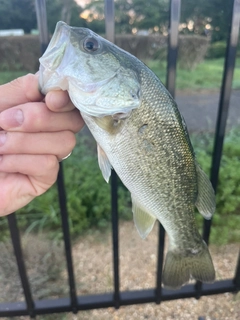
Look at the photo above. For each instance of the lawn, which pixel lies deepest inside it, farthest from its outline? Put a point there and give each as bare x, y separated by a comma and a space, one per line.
207, 75
6, 76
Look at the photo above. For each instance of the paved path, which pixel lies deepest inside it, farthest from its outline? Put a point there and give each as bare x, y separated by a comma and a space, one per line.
200, 110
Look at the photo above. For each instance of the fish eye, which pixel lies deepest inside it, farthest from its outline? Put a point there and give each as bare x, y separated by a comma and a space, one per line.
91, 44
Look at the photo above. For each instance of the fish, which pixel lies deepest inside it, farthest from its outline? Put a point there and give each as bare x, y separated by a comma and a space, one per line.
141, 134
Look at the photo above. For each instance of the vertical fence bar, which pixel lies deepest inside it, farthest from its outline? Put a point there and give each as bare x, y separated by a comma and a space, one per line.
161, 244
175, 9
16, 241
66, 237
109, 20
174, 18
115, 238
237, 274
41, 13
43, 32
110, 35
223, 110
224, 101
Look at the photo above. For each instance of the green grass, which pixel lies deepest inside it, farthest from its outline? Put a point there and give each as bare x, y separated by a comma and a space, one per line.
207, 75
6, 76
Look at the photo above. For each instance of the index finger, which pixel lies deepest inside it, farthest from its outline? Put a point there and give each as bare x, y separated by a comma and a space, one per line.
19, 91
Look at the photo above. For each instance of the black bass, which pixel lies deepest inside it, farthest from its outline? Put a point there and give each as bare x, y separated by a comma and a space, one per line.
141, 134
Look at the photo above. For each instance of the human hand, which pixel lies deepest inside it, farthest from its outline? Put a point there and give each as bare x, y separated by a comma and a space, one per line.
35, 136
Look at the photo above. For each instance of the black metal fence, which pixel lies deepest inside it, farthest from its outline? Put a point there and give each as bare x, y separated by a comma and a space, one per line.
117, 298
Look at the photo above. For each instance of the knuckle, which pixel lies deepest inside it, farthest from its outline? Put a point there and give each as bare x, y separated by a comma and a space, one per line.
70, 140
77, 121
24, 82
36, 117
51, 163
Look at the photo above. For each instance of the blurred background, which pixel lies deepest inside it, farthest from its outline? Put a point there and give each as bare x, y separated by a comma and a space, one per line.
142, 29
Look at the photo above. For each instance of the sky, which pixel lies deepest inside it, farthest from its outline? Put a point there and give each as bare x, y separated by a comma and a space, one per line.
82, 3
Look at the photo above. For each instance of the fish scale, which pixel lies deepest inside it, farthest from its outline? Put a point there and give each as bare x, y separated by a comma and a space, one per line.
141, 134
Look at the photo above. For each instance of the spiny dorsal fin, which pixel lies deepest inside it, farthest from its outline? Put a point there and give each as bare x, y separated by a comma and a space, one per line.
104, 163
206, 197
144, 222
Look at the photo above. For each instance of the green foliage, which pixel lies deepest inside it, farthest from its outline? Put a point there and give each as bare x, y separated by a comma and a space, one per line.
228, 196
226, 220
129, 14
150, 14
13, 15
153, 14
217, 50
215, 12
63, 10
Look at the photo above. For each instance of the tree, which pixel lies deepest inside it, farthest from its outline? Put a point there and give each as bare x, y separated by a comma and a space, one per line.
154, 15
129, 14
16, 14
67, 11
151, 14
215, 13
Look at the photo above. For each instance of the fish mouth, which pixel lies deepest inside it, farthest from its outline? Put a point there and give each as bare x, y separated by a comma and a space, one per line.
53, 62
62, 30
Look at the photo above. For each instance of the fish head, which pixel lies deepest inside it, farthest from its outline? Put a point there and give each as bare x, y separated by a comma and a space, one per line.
100, 79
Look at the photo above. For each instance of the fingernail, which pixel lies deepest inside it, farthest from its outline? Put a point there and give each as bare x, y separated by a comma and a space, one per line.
12, 118
3, 138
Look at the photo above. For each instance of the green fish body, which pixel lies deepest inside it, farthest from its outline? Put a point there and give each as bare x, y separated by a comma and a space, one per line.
141, 134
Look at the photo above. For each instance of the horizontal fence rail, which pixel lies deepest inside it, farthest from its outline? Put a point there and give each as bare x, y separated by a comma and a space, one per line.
117, 298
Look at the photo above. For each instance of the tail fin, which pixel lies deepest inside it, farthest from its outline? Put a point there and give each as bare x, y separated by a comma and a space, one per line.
180, 266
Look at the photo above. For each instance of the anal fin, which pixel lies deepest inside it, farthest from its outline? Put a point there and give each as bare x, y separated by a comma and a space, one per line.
144, 222
206, 197
104, 163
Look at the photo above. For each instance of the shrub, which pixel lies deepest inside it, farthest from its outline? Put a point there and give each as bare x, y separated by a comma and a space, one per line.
19, 53
192, 50
23, 52
216, 50
226, 219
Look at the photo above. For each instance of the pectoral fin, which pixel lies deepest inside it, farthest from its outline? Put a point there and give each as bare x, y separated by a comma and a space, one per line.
144, 222
104, 163
109, 124
206, 197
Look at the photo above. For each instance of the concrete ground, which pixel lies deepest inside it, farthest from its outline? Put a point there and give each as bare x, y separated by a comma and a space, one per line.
200, 109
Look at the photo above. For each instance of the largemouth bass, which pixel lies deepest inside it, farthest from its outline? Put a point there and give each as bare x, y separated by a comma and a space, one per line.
141, 134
